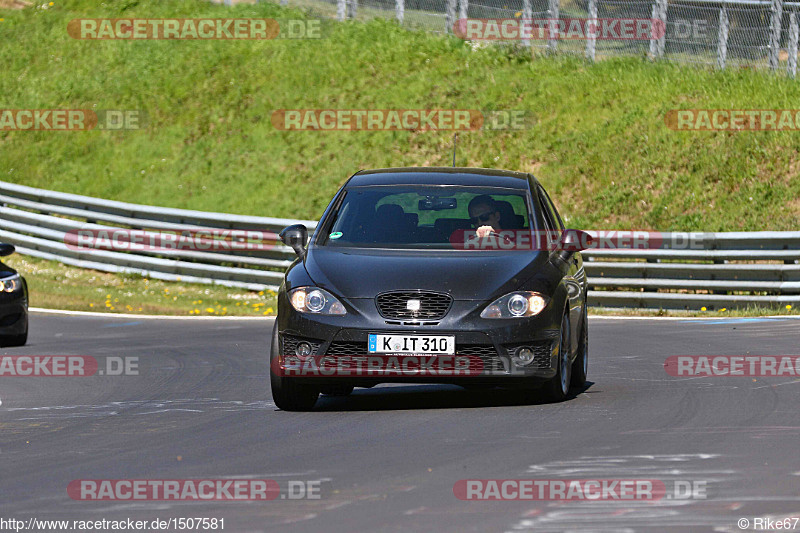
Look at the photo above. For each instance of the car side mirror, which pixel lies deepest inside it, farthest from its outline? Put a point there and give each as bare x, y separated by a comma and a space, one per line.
6, 249
573, 240
295, 237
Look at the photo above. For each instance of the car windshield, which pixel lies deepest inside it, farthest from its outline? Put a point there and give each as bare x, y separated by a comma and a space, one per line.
435, 217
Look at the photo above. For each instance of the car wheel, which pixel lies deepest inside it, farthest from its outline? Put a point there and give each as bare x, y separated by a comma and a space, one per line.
581, 365
287, 393
337, 390
556, 389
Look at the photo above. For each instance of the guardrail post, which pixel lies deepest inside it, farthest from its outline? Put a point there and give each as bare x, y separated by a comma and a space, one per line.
714, 244
450, 16
591, 37
793, 38
341, 10
527, 15
722, 38
463, 7
775, 33
662, 40
399, 10
352, 8
658, 36
552, 25
653, 39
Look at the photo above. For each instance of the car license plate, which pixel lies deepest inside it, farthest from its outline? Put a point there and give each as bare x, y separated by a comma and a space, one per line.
412, 344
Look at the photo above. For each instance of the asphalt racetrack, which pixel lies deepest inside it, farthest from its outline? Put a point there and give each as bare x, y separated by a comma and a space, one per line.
386, 459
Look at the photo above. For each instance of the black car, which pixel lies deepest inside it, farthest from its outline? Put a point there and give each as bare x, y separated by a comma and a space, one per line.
432, 275
13, 303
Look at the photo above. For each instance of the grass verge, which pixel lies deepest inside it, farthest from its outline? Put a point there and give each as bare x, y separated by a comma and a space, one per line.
56, 286
750, 311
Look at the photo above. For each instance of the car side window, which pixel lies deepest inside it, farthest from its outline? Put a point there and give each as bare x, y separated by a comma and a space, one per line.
550, 211
548, 219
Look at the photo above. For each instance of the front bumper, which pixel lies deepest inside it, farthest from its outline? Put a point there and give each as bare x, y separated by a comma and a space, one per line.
485, 346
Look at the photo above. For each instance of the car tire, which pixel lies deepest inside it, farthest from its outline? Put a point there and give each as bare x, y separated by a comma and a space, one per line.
337, 390
581, 365
557, 388
287, 393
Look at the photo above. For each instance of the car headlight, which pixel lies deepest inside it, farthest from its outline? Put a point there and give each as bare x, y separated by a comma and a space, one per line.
315, 301
516, 305
14, 283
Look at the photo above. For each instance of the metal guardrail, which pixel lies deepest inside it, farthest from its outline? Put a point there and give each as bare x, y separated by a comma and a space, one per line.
100, 209
734, 269
38, 221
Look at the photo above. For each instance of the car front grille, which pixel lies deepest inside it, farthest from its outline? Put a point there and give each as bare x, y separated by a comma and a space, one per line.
486, 353
541, 350
347, 348
491, 361
290, 343
432, 305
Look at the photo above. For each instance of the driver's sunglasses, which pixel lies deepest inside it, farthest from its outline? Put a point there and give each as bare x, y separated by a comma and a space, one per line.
483, 217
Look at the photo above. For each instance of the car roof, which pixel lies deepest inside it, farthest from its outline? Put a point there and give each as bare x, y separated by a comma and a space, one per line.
441, 176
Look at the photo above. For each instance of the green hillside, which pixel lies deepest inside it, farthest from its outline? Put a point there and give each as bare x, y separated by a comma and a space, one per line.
600, 143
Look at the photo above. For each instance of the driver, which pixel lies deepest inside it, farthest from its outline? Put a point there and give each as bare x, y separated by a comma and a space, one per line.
484, 215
